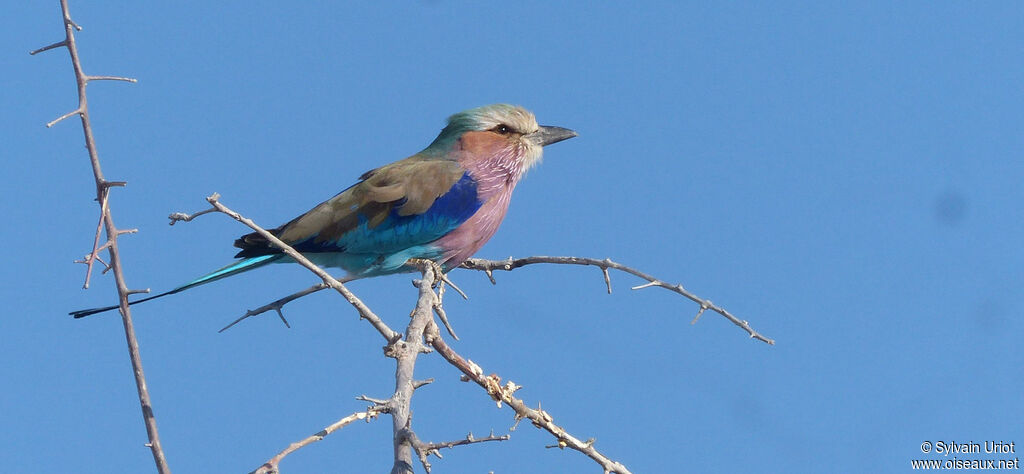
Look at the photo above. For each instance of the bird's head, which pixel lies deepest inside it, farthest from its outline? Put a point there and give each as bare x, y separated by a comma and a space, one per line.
508, 132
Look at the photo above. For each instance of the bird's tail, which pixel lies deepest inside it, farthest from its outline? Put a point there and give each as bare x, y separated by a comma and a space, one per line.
233, 269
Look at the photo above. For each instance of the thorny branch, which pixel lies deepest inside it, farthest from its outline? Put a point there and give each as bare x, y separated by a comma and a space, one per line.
509, 264
424, 450
277, 305
270, 467
106, 222
405, 351
429, 302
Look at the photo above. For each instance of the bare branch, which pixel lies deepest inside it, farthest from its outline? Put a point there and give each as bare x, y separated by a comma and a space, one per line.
504, 394
107, 222
377, 402
181, 216
271, 466
469, 439
510, 264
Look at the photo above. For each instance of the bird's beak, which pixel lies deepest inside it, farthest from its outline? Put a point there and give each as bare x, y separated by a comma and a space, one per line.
548, 135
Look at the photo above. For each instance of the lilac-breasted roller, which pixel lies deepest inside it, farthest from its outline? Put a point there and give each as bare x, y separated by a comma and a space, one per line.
441, 204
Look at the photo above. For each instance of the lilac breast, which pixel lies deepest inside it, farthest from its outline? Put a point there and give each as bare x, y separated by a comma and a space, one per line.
464, 241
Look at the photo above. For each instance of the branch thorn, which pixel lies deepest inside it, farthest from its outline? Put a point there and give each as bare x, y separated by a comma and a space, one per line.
110, 78
647, 285
607, 279
49, 47
703, 307
62, 117
280, 314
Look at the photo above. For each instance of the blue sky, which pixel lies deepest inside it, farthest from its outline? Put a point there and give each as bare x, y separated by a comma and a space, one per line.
845, 177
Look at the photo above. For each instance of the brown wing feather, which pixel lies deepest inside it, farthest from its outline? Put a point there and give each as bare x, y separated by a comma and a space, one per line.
418, 180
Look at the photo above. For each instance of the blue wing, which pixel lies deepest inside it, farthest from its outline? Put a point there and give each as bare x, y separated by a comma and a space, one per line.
374, 226
397, 232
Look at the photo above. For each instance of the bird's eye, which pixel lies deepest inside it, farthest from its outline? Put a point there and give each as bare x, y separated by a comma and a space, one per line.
502, 129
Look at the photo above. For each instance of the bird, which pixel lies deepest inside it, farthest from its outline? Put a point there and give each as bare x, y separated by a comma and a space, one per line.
441, 204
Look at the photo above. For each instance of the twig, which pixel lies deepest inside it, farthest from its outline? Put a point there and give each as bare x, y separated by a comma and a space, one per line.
278, 305
181, 216
509, 264
423, 450
102, 191
378, 403
504, 394
270, 467
432, 448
